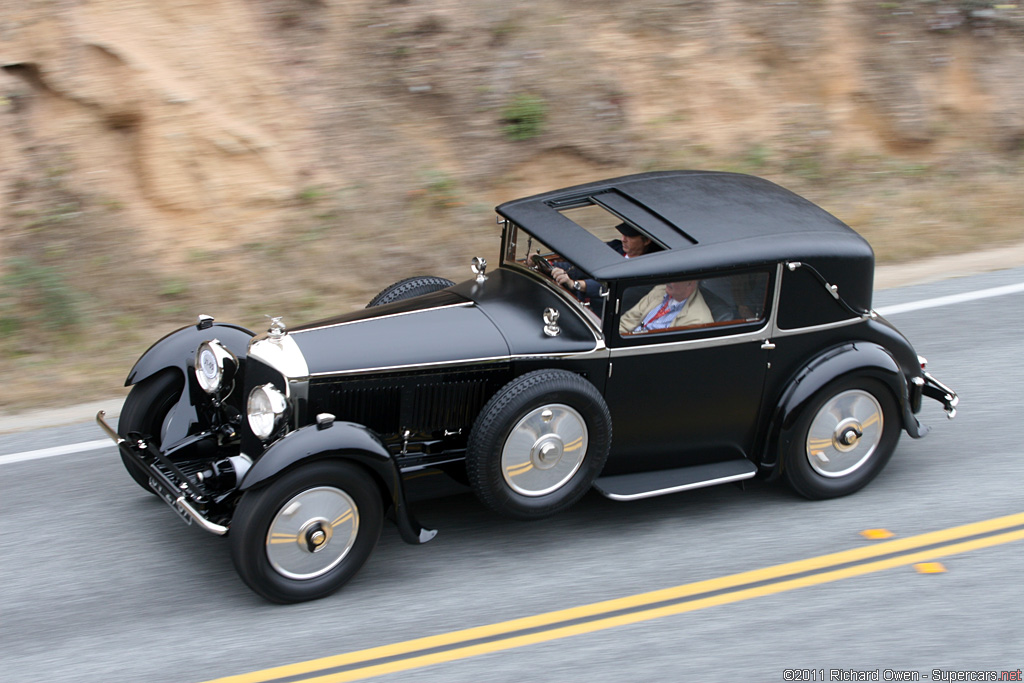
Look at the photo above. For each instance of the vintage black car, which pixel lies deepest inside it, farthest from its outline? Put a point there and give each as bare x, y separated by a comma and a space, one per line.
738, 341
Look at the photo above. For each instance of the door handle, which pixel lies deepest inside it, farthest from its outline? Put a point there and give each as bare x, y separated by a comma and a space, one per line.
767, 345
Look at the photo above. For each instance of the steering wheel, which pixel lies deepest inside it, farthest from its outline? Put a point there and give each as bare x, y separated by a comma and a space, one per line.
541, 264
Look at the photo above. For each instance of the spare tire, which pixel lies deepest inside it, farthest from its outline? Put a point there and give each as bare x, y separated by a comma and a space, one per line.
408, 288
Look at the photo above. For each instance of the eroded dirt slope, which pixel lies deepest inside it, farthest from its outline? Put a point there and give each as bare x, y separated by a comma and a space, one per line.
248, 157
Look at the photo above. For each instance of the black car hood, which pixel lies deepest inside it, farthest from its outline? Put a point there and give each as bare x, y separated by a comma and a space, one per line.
493, 320
432, 329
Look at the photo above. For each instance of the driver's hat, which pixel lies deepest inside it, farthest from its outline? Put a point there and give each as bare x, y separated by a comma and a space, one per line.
627, 230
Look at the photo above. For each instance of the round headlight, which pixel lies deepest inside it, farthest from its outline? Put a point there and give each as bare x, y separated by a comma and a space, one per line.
213, 363
265, 408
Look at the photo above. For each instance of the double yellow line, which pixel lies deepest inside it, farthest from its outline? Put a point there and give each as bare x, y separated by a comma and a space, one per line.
414, 654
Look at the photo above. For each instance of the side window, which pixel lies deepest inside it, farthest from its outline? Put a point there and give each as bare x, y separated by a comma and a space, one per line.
676, 305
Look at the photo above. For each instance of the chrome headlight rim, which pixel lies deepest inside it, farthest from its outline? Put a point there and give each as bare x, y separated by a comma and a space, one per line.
214, 366
265, 410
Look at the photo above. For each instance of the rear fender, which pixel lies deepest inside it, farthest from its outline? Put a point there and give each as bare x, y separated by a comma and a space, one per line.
863, 358
345, 441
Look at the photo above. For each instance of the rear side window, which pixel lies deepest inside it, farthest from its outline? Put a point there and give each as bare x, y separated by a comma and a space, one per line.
679, 304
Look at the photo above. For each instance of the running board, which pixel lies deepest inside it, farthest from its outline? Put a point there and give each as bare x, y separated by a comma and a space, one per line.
662, 482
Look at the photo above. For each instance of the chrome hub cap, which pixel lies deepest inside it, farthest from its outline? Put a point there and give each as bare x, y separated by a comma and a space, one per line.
845, 433
312, 533
544, 450
315, 534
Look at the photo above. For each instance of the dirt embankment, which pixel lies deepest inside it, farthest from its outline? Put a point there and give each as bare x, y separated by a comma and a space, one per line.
248, 157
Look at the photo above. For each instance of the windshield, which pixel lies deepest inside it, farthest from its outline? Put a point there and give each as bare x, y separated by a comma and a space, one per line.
525, 250
521, 245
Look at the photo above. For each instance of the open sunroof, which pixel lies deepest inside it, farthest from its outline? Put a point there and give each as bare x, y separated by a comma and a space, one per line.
599, 214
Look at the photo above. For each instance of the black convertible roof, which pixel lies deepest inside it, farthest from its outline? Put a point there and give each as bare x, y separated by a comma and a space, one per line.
705, 219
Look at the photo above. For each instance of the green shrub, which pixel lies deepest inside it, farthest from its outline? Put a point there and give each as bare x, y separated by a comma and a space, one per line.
524, 117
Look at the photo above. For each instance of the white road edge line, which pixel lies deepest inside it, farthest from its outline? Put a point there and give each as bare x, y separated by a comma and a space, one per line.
950, 300
56, 450
884, 311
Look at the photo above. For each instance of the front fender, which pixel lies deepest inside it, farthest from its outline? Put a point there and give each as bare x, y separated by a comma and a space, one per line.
178, 349
348, 441
865, 358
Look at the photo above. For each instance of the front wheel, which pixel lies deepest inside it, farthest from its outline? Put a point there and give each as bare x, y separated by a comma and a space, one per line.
538, 444
843, 439
306, 534
144, 412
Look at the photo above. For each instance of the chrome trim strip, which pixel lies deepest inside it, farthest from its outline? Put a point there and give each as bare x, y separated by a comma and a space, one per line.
817, 328
677, 489
757, 335
773, 319
384, 317
409, 366
598, 349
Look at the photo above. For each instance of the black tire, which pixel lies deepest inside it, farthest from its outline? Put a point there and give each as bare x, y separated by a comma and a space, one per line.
843, 439
290, 570
144, 412
521, 461
408, 288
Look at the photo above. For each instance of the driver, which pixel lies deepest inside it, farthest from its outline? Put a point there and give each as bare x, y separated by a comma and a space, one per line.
631, 245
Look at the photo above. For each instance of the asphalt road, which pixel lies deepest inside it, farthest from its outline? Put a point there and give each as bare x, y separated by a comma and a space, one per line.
101, 582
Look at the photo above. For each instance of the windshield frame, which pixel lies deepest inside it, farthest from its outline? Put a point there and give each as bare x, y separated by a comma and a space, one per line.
512, 238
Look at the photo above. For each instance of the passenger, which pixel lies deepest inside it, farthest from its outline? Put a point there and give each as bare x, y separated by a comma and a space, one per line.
674, 304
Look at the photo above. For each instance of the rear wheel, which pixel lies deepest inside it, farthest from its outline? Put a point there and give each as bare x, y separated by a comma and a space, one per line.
408, 288
144, 412
843, 439
306, 534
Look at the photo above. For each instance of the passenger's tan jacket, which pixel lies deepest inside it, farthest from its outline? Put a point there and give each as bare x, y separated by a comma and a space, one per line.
694, 312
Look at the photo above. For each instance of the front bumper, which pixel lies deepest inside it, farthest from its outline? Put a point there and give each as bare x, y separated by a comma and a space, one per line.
186, 496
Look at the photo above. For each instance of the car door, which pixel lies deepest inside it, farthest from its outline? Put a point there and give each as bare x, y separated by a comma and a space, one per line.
688, 392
